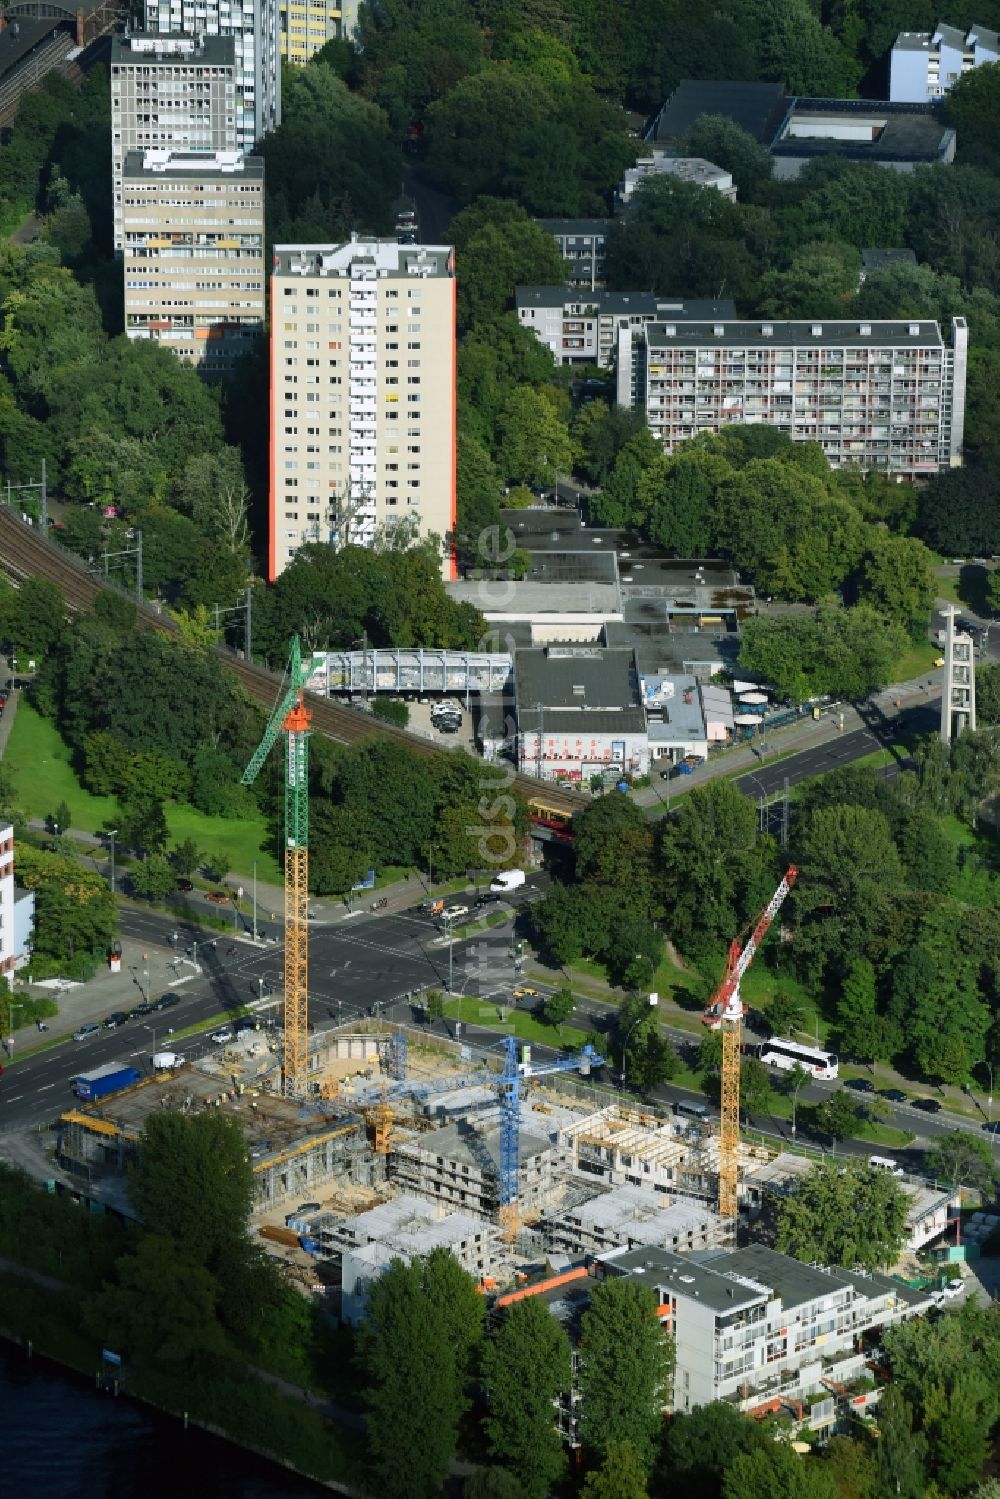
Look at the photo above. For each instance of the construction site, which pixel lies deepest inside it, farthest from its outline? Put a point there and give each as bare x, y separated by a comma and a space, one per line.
404, 1142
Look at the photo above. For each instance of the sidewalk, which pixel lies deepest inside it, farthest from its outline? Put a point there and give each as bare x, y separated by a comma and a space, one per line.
7, 718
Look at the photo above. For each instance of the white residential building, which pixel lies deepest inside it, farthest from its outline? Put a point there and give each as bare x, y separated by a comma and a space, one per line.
254, 29
886, 395
193, 253
362, 394
170, 93
925, 65
17, 910
693, 169
751, 1326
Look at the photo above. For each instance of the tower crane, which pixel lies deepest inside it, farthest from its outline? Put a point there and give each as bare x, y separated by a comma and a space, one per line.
725, 1012
517, 1068
291, 717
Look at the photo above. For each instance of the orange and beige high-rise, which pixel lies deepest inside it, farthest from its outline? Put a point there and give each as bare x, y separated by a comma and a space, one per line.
362, 395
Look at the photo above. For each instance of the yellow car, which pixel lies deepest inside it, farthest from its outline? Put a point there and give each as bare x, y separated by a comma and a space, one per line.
526, 992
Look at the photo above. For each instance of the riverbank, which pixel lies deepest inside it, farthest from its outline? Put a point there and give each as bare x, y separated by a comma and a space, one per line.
233, 1403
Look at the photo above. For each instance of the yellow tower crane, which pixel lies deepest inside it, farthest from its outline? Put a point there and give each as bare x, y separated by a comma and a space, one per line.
725, 1012
291, 717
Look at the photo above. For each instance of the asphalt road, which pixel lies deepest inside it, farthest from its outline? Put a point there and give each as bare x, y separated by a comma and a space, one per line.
366, 964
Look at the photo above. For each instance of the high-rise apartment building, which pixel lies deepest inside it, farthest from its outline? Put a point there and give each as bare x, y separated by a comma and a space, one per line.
307, 25
881, 395
925, 65
362, 393
170, 92
253, 27
193, 244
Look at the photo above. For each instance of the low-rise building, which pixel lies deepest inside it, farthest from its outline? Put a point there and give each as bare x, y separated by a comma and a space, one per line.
925, 65
193, 247
583, 246
752, 1326
585, 330
17, 911
579, 713
661, 163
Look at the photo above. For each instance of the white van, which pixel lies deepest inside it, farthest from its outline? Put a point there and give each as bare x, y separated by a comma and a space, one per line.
886, 1163
507, 879
164, 1061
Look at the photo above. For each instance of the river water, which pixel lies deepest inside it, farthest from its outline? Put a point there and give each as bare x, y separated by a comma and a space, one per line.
59, 1439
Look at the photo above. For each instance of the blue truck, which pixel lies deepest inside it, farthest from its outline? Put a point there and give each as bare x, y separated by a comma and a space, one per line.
111, 1078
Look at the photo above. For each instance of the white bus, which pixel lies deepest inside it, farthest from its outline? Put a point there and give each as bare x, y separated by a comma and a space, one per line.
789, 1054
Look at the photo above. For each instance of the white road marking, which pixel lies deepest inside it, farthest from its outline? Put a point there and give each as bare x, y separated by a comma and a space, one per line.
15, 1097
44, 1086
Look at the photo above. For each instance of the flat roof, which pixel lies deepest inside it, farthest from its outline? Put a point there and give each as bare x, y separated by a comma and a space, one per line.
756, 107
676, 701
610, 303
573, 567
364, 258
904, 131
468, 1142
142, 48
822, 333
575, 226
527, 598
576, 678
878, 258
638, 1214
686, 1276
205, 166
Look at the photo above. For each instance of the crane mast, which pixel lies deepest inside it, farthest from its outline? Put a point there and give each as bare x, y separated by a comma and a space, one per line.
725, 1012
291, 718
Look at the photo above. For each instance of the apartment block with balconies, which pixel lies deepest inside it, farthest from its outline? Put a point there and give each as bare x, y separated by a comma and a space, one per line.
362, 394
193, 253
254, 30
307, 25
925, 65
886, 396
175, 93
585, 329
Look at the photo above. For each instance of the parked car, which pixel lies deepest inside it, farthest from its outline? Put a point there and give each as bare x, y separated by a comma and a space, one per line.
244, 1024
185, 885
114, 1020
220, 897
90, 1029
893, 1095
166, 1001
452, 913
952, 1289
860, 1085
222, 1035
139, 1010
929, 1105
525, 992
993, 1128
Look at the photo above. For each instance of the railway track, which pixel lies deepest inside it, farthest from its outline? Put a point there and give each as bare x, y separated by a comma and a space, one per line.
25, 554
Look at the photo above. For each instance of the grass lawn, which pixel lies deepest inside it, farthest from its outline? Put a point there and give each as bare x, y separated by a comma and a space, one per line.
45, 777
915, 662
967, 589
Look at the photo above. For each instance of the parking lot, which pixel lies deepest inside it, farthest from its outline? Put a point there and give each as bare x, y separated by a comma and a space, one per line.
420, 723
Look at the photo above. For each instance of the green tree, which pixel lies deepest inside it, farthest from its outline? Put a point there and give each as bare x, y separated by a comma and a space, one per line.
844, 1214
186, 856
836, 1116
153, 878
963, 1159
391, 710
435, 1005
625, 1363
865, 1033
75, 913
698, 1447
161, 1309
534, 441
142, 825
526, 1367
614, 845
776, 1472
900, 1453
845, 652
850, 870
193, 1183
720, 139
897, 580
413, 1394
621, 1475
491, 1483
499, 247
973, 107
558, 1007
62, 818
785, 1014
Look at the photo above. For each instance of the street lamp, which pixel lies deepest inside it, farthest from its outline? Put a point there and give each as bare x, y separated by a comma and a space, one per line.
112, 835
989, 1100
654, 1000
795, 1098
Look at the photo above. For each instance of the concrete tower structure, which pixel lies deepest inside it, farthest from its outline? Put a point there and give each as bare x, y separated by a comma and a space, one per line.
958, 692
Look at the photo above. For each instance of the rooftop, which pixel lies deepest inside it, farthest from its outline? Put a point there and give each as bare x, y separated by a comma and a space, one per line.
530, 598
364, 259
408, 1225
577, 678
144, 47
641, 1216
870, 130
575, 226
685, 1276
756, 107
608, 303
826, 333
472, 1144
206, 166
677, 707
879, 259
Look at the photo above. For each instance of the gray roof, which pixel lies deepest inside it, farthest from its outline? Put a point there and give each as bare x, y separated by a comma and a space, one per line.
985, 37
912, 41
209, 51
685, 1275
756, 107
573, 567
877, 259
575, 226
607, 701
833, 333
608, 303
476, 1144
201, 165
526, 598
952, 36
910, 132
796, 1283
